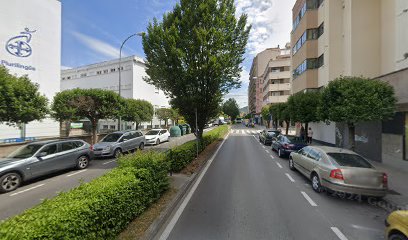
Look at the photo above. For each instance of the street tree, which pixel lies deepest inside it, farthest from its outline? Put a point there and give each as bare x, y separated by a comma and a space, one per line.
284, 114
137, 111
266, 114
231, 108
63, 109
303, 107
357, 99
20, 100
164, 114
175, 116
194, 55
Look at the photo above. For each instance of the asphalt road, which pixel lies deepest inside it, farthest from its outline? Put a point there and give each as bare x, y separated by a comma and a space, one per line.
248, 192
34, 192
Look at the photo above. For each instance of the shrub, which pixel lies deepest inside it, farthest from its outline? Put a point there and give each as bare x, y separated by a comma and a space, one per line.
99, 209
180, 156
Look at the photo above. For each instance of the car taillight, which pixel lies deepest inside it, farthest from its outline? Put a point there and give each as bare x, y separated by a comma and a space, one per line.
385, 179
336, 174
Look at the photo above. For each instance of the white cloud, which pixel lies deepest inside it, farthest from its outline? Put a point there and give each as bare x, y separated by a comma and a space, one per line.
98, 46
244, 76
65, 68
271, 22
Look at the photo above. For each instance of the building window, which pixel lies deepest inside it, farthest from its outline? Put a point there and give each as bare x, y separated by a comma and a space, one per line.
68, 78
113, 70
121, 69
83, 75
98, 72
112, 127
309, 34
105, 127
63, 78
308, 5
105, 71
310, 63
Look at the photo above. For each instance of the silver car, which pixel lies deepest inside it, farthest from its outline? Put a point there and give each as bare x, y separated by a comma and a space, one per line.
114, 144
339, 170
41, 158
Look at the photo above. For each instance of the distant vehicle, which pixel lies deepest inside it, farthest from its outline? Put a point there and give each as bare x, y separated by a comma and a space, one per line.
267, 135
285, 144
157, 136
339, 170
41, 158
208, 125
238, 120
397, 226
116, 143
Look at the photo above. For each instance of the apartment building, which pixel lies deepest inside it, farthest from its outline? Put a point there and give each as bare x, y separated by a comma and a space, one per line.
269, 79
351, 38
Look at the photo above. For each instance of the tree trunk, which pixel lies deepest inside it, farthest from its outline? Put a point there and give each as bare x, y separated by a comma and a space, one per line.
287, 127
94, 126
306, 129
352, 133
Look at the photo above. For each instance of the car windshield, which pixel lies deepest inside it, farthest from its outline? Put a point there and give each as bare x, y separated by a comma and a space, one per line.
349, 160
25, 151
152, 132
113, 137
292, 139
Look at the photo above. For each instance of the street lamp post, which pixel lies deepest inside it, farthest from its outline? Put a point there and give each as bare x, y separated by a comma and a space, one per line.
120, 68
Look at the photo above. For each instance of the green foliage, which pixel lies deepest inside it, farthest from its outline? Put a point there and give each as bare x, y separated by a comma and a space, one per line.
182, 155
164, 114
266, 113
194, 55
62, 108
303, 107
356, 99
20, 100
136, 110
231, 108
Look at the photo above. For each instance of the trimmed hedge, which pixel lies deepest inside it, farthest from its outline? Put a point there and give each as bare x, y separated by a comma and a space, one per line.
182, 155
100, 209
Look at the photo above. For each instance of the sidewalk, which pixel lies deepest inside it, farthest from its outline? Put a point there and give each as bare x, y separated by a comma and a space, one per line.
397, 197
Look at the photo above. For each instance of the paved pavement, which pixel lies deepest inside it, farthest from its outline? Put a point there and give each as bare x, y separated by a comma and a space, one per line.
247, 192
34, 192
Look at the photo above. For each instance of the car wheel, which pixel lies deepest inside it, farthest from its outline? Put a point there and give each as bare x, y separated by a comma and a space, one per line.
141, 146
158, 142
397, 236
117, 153
82, 162
291, 164
10, 182
317, 187
280, 154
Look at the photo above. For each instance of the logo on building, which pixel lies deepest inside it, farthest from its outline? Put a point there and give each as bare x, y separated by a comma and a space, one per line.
19, 45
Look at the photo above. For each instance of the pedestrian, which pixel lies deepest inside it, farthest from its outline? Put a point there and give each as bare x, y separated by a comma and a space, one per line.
302, 134
309, 135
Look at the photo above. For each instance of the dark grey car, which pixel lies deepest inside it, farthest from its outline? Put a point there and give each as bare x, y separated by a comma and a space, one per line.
114, 144
41, 158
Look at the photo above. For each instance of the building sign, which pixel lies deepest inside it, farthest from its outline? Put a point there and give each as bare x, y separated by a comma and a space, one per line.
19, 46
77, 125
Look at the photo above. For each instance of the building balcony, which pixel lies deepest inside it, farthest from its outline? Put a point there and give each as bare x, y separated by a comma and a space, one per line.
276, 99
308, 50
307, 80
278, 87
277, 75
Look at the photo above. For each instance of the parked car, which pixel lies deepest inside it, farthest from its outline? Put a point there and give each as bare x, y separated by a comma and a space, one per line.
41, 158
285, 144
397, 226
339, 170
116, 143
157, 136
266, 136
238, 120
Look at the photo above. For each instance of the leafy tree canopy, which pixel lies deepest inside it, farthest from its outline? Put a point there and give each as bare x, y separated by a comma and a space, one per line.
136, 110
303, 107
194, 55
231, 108
20, 99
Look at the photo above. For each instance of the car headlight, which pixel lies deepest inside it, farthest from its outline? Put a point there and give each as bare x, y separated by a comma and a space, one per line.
108, 148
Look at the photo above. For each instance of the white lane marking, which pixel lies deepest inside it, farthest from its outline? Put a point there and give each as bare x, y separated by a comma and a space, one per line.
309, 199
108, 162
339, 234
263, 146
266, 150
70, 175
280, 166
248, 132
290, 177
28, 189
253, 132
272, 156
183, 205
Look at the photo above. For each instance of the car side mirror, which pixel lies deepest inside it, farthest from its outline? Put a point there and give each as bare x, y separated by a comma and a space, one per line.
41, 155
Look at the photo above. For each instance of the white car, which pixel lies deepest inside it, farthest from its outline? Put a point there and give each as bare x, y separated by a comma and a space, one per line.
157, 136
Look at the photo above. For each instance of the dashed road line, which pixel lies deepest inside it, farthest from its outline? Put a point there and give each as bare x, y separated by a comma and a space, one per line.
290, 177
266, 150
272, 156
108, 162
279, 165
70, 175
263, 146
339, 234
26, 190
309, 199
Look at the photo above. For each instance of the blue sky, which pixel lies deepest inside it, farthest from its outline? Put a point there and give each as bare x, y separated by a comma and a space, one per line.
93, 30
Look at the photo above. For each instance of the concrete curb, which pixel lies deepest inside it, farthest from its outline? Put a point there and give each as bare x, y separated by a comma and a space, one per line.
159, 222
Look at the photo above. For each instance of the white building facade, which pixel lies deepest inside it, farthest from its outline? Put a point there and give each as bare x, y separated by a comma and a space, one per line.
30, 44
105, 75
